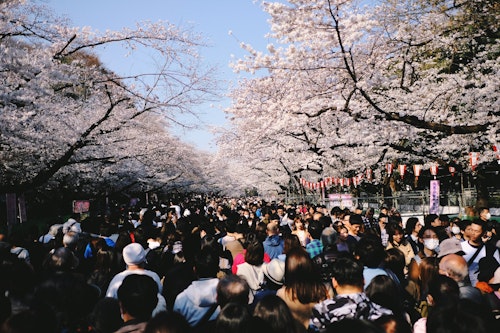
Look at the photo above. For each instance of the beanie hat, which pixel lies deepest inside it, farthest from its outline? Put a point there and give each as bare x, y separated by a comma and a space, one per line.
134, 254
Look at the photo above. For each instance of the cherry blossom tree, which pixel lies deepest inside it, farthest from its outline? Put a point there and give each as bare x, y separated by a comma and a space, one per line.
351, 85
68, 121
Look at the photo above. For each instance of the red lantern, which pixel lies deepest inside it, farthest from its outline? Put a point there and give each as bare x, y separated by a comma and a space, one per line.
434, 170
474, 160
369, 174
389, 167
402, 170
417, 169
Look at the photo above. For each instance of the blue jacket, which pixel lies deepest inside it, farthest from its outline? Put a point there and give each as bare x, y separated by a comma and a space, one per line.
273, 246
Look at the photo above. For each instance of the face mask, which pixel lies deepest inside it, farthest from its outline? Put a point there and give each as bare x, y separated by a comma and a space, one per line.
153, 245
431, 243
488, 216
246, 216
455, 230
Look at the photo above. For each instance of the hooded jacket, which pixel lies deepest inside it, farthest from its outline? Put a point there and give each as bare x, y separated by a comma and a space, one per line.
273, 246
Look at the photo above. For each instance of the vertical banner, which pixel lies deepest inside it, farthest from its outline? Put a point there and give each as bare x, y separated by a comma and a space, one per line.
434, 197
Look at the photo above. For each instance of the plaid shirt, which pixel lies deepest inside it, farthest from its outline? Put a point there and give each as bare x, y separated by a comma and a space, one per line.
314, 248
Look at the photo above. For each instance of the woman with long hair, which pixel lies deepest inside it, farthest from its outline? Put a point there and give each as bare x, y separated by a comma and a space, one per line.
290, 242
299, 228
303, 287
276, 313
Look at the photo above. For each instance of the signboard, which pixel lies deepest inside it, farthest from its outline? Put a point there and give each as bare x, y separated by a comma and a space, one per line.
341, 200
434, 197
81, 206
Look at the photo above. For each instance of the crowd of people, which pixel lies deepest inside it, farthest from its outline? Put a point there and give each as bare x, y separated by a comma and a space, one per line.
229, 265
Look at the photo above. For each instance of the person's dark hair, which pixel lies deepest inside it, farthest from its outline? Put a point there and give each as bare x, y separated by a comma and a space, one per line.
424, 229
462, 316
69, 297
105, 260
261, 231
444, 218
480, 223
290, 242
335, 211
443, 289
211, 242
106, 316
255, 253
384, 291
122, 241
233, 318
395, 261
429, 219
168, 322
315, 229
31, 320
356, 219
481, 209
370, 251
410, 225
231, 225
325, 221
138, 296
61, 260
386, 321
207, 263
302, 277
274, 217
392, 229
348, 272
276, 313
395, 219
232, 288
428, 270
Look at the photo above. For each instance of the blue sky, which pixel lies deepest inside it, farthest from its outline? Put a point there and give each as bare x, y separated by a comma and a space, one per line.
213, 18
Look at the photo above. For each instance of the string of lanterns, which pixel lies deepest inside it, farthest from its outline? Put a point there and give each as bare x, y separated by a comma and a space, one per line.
402, 169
